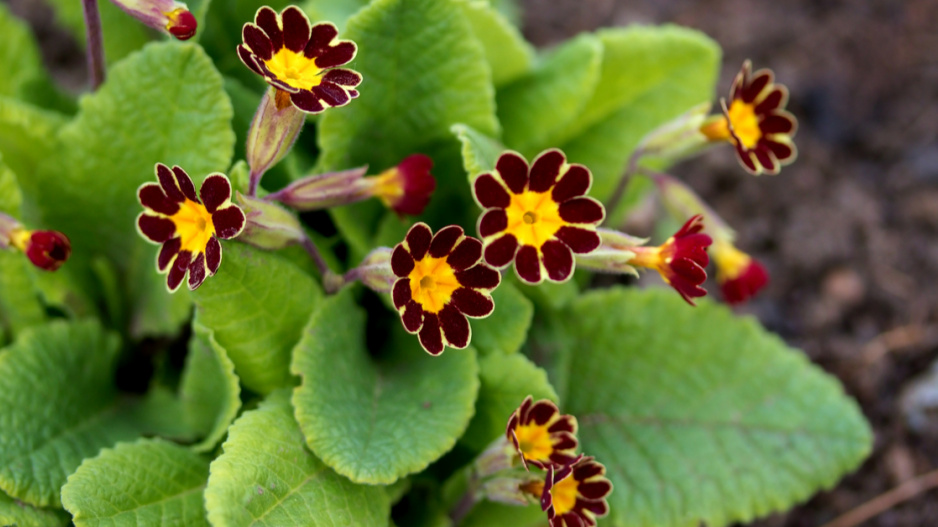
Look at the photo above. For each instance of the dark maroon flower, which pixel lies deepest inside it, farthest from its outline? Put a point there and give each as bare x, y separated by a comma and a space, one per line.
541, 434
575, 495
406, 188
187, 227
441, 281
537, 217
681, 260
300, 60
756, 122
740, 276
47, 250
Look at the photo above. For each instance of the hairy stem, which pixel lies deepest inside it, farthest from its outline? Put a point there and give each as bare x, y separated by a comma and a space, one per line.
95, 42
630, 170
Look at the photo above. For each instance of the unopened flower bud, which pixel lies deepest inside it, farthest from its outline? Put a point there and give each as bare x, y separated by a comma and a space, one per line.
273, 131
168, 16
268, 225
47, 250
375, 271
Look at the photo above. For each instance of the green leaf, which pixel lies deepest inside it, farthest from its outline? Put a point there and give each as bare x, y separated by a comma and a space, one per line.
28, 135
149, 482
19, 56
267, 477
20, 306
505, 381
508, 54
649, 75
506, 330
536, 109
700, 416
489, 514
479, 151
16, 514
209, 389
375, 422
123, 34
423, 72
257, 306
336, 11
58, 406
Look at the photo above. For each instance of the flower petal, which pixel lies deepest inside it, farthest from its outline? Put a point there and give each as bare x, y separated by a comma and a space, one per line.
213, 255
558, 260
185, 184
155, 228
266, 19
178, 271
197, 272
345, 78
248, 59
295, 29
431, 335
582, 210
307, 101
402, 263
528, 265
152, 197
465, 255
168, 183
580, 241
400, 293
493, 222
574, 183
257, 41
766, 159
783, 151
760, 81
321, 35
479, 277
413, 316
490, 193
472, 303
215, 191
331, 94
502, 251
444, 240
418, 240
545, 170
167, 253
455, 327
229, 222
776, 98
777, 123
513, 169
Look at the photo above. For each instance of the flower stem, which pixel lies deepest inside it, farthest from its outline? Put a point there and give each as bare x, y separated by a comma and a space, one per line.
253, 183
465, 504
616, 197
95, 42
331, 281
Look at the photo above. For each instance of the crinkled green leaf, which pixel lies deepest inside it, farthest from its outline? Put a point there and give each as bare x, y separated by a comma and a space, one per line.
649, 75
19, 55
148, 482
700, 416
28, 135
505, 381
17, 514
479, 151
267, 477
336, 11
58, 405
210, 393
506, 330
375, 422
536, 109
508, 54
257, 306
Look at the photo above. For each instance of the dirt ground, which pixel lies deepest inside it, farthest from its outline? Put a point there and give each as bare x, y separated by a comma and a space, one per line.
848, 232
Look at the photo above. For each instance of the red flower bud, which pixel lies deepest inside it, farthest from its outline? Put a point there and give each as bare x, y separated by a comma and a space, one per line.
47, 250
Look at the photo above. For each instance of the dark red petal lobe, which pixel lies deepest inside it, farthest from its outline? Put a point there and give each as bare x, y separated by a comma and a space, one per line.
782, 151
773, 100
466, 254
527, 265
168, 183
564, 424
580, 241
213, 255
353, 93
246, 57
185, 184
307, 101
155, 228
197, 272
455, 327
545, 169
266, 19
472, 303
502, 251
493, 222
514, 171
178, 271
582, 210
479, 277
525, 408
594, 490
689, 270
765, 158
574, 183
412, 316
760, 80
400, 293
215, 190
418, 240
401, 261
169, 251
344, 77
331, 94
321, 35
295, 29
777, 124
431, 336
599, 508
444, 240
558, 260
542, 411
740, 81
746, 159
152, 197
586, 469
564, 441
746, 285
490, 193
337, 55
257, 40
228, 222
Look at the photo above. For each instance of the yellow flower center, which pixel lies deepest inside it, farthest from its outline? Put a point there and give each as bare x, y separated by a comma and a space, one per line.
388, 186
534, 441
295, 69
432, 283
730, 261
194, 226
657, 258
19, 238
745, 123
563, 495
533, 217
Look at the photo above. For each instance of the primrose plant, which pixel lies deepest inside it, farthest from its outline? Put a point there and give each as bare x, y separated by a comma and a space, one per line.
388, 217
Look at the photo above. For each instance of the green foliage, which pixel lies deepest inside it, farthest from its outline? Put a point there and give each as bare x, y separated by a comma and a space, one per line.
377, 421
508, 54
20, 306
479, 151
256, 306
335, 11
19, 56
149, 482
711, 419
267, 477
14, 513
506, 332
124, 33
